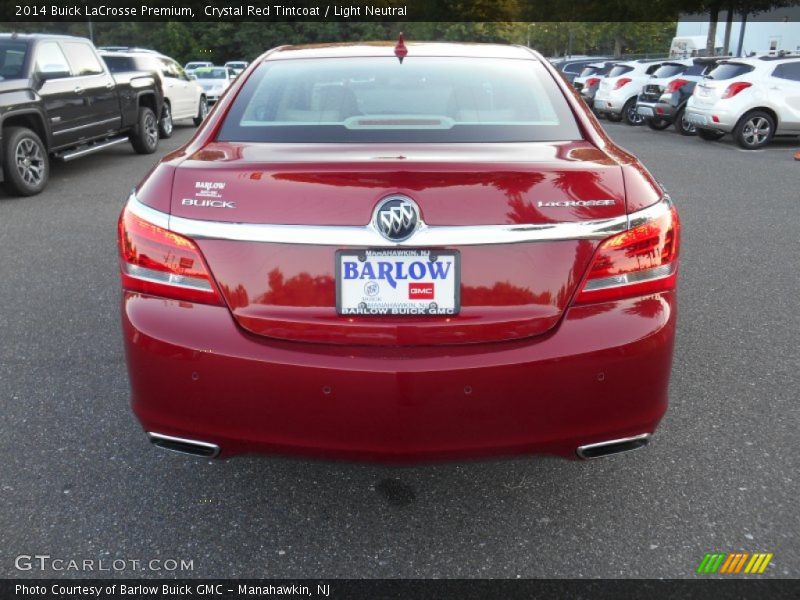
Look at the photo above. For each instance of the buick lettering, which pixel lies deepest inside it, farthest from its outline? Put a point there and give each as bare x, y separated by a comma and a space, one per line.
399, 252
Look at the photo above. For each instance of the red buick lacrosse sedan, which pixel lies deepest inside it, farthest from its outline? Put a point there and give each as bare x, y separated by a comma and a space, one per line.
399, 252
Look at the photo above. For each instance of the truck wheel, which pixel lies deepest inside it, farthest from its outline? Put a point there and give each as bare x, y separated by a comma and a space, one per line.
144, 138
656, 123
165, 125
630, 115
26, 165
754, 130
202, 111
709, 134
683, 126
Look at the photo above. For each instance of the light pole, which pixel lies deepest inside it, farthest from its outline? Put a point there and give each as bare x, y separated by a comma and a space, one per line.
529, 34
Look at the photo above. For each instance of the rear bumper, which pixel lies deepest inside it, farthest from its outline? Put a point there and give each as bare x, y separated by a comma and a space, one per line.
602, 374
711, 118
655, 109
610, 103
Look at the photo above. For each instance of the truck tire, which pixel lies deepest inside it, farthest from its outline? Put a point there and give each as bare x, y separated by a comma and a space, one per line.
165, 124
202, 111
144, 137
26, 166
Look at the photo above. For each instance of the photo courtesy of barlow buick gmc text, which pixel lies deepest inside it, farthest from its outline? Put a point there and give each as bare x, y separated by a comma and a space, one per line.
399, 299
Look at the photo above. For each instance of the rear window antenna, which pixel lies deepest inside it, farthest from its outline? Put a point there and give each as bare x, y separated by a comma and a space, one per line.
400, 50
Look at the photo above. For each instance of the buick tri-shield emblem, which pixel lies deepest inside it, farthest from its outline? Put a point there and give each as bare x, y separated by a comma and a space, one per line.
396, 217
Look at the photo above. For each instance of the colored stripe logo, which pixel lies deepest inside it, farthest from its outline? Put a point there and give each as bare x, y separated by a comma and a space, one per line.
734, 562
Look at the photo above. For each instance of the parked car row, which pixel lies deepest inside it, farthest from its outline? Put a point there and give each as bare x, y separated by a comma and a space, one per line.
63, 98
754, 99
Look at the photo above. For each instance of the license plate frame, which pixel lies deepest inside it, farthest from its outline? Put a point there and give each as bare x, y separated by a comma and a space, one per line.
388, 301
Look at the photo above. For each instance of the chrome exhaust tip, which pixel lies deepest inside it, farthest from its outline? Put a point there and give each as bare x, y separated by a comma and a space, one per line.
183, 446
609, 447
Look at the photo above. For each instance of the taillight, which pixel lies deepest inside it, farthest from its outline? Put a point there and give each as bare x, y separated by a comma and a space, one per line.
641, 260
735, 88
621, 82
676, 84
592, 81
156, 261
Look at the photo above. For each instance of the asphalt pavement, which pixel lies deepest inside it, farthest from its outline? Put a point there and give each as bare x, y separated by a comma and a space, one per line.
79, 481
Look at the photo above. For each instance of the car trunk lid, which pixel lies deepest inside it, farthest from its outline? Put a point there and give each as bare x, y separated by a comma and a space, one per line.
287, 288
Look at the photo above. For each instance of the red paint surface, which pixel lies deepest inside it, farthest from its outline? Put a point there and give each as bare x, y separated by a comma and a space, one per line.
519, 370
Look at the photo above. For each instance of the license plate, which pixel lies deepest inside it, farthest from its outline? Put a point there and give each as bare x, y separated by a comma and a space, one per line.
398, 282
645, 111
696, 119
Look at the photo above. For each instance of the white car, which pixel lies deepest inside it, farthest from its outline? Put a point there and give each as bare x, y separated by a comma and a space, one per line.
214, 81
752, 98
237, 65
587, 83
616, 96
192, 66
183, 97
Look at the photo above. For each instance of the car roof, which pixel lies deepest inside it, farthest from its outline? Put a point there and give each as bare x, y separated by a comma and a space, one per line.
127, 50
758, 62
785, 57
428, 49
32, 37
130, 53
703, 60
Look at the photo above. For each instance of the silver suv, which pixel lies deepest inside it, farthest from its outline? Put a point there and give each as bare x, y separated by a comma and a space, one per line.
752, 98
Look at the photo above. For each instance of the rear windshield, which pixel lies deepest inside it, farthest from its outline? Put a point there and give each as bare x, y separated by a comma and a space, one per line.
12, 59
380, 99
120, 64
698, 69
618, 70
590, 71
669, 70
729, 70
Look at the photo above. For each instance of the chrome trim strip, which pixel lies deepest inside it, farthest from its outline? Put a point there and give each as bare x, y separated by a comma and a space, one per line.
168, 438
164, 278
151, 215
425, 236
659, 272
644, 437
94, 124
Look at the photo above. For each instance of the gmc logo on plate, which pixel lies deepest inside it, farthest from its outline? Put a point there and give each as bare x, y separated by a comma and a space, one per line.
420, 291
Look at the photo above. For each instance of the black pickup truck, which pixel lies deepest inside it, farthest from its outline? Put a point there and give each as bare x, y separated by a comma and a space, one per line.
58, 99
